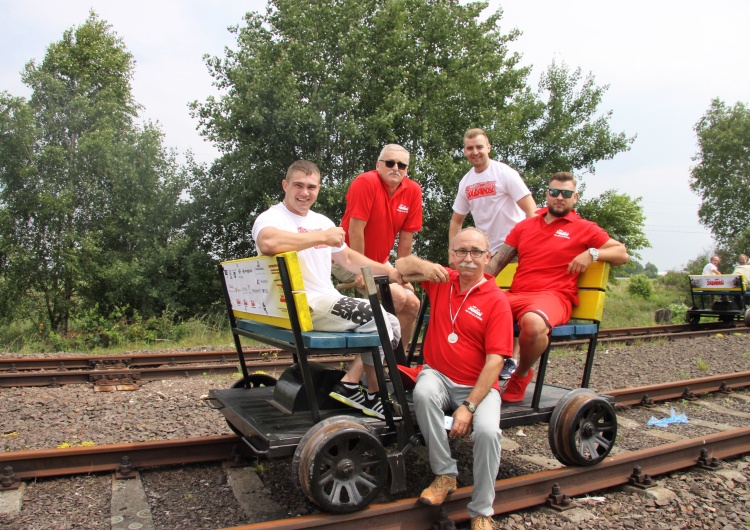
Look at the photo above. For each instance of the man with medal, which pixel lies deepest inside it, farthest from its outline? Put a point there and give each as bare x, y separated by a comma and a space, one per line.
469, 337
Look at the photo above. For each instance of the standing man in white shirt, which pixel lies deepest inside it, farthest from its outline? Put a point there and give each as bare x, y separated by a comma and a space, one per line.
495, 195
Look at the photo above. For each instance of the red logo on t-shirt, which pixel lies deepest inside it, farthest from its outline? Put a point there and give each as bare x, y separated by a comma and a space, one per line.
481, 189
303, 230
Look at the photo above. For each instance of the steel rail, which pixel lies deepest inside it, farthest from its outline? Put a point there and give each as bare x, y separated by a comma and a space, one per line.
687, 389
524, 492
113, 377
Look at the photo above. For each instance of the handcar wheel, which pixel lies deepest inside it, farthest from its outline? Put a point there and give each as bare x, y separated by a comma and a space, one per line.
693, 319
555, 430
340, 465
586, 429
253, 381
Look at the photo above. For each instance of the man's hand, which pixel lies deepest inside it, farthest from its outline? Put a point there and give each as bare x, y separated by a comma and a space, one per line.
334, 237
462, 419
434, 272
580, 263
359, 281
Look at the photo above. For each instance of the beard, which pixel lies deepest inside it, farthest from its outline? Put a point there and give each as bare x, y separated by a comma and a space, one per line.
559, 210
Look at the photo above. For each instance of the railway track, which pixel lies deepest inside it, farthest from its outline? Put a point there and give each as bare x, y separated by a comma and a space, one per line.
553, 487
127, 372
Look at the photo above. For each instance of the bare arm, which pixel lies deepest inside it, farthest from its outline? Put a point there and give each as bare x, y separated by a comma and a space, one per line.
527, 204
405, 242
354, 261
272, 241
502, 257
612, 252
457, 222
462, 418
412, 265
357, 235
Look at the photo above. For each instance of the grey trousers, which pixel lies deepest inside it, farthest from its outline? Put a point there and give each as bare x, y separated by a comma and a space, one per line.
434, 394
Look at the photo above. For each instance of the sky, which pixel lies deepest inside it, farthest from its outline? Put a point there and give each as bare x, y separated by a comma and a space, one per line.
663, 63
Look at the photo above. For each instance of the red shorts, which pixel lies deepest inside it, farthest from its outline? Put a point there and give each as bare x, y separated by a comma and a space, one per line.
554, 309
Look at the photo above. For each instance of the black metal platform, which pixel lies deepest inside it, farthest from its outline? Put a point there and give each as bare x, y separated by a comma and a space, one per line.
274, 434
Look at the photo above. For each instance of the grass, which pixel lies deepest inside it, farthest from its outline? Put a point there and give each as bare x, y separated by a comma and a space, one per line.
622, 310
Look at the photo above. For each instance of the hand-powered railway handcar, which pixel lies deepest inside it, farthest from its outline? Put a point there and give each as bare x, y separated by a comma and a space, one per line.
339, 456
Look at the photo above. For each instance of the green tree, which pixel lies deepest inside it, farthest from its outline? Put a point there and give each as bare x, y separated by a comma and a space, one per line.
87, 196
721, 175
621, 216
564, 129
651, 271
334, 81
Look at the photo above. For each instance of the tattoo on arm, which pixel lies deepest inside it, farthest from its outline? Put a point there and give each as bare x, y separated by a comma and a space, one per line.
503, 256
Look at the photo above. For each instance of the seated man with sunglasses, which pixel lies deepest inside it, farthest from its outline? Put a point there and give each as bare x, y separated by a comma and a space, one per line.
380, 205
553, 248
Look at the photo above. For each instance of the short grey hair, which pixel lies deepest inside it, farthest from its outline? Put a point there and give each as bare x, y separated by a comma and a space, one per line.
393, 147
472, 229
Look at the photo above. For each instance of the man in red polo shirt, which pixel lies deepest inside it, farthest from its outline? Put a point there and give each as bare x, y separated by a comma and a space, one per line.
469, 337
553, 248
380, 205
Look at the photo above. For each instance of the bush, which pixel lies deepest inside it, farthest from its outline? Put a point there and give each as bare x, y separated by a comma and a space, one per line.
679, 313
640, 286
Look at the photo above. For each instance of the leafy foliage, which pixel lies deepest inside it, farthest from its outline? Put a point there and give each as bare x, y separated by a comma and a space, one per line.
640, 286
620, 215
89, 199
334, 81
721, 175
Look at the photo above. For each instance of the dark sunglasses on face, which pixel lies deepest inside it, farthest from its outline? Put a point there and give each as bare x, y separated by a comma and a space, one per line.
554, 192
390, 163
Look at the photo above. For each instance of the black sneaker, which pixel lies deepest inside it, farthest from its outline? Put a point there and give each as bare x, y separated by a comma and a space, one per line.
354, 397
509, 366
374, 407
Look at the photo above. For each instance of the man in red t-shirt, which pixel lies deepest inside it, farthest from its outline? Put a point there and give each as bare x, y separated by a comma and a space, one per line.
553, 248
469, 337
380, 205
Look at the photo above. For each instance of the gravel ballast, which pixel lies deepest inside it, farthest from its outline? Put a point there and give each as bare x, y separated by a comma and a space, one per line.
199, 497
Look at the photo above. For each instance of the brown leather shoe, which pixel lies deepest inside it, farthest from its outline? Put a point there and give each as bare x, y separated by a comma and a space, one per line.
441, 487
481, 522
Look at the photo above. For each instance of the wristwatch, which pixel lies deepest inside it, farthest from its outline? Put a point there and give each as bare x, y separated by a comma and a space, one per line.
594, 254
471, 406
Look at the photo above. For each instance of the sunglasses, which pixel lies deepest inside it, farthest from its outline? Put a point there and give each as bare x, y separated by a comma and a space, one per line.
554, 192
390, 163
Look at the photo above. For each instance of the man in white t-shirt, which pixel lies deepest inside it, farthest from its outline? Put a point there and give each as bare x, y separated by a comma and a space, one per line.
497, 198
712, 267
292, 226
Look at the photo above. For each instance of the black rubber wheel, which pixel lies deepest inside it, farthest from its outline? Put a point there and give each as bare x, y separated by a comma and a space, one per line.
340, 465
693, 319
584, 430
253, 381
727, 319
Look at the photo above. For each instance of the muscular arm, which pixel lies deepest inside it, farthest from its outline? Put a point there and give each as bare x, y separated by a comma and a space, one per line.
354, 261
487, 378
272, 241
405, 242
527, 204
457, 222
502, 257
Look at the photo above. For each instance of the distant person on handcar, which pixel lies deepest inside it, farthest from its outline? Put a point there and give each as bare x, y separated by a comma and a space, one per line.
712, 267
